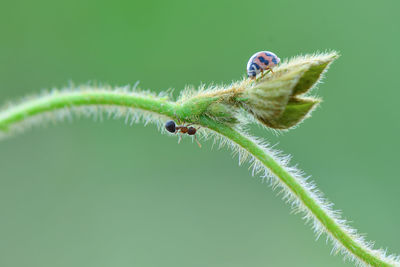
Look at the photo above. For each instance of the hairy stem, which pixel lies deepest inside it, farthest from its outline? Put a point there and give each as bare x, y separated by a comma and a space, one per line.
104, 98
56, 101
300, 192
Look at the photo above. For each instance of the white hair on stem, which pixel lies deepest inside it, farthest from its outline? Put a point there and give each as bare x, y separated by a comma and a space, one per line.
257, 167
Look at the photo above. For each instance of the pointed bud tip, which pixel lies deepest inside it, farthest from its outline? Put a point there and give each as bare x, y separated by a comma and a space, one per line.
317, 65
295, 112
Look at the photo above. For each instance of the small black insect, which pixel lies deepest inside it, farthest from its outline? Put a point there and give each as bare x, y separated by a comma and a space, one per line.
171, 127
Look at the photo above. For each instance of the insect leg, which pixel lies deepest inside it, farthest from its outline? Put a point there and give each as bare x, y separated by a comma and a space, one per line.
197, 141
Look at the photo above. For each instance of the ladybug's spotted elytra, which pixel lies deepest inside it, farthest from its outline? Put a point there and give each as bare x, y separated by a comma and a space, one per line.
260, 62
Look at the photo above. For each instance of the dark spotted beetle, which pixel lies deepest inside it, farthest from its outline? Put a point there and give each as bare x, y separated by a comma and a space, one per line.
260, 62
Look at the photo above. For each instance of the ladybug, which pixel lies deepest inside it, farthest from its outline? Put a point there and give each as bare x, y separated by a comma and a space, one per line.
260, 62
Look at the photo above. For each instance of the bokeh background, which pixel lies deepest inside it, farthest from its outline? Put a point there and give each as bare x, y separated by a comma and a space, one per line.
106, 194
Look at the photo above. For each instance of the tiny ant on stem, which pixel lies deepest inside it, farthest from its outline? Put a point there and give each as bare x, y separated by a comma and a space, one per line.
173, 128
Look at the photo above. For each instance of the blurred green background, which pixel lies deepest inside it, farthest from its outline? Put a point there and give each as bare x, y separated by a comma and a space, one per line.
106, 194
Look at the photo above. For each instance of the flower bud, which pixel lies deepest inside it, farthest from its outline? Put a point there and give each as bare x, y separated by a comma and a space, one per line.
276, 100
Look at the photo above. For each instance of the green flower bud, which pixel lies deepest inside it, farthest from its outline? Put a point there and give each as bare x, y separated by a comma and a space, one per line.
275, 100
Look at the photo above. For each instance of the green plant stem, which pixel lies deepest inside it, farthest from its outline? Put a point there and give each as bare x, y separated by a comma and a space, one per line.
55, 101
300, 192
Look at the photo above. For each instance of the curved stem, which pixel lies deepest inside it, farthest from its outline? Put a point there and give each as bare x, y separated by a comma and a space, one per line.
330, 225
60, 100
